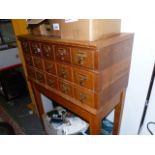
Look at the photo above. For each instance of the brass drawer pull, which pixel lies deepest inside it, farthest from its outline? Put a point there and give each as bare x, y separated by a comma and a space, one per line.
47, 50
62, 53
82, 80
81, 57
36, 48
50, 68
82, 97
40, 78
25, 44
51, 82
63, 73
65, 89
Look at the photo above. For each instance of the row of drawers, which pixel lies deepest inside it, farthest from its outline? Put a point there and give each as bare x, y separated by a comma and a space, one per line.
77, 56
81, 77
84, 96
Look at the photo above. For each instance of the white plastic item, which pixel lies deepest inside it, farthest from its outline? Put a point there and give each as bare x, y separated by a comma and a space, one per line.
47, 103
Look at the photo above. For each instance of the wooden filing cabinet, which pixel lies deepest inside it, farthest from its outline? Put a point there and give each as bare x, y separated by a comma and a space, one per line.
88, 78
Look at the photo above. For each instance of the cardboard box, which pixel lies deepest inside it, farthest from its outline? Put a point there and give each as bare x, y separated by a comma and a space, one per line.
56, 26
43, 27
89, 29
79, 29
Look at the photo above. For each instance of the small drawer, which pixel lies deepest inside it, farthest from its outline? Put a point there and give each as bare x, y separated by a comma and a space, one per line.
31, 72
47, 51
40, 77
28, 59
66, 88
25, 47
35, 48
83, 78
64, 71
38, 62
50, 67
62, 53
83, 57
52, 81
84, 96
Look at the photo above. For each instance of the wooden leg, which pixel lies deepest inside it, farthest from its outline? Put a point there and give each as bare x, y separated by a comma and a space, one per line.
118, 114
95, 126
38, 101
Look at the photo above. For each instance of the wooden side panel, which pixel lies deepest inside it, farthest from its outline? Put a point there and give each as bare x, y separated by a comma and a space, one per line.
20, 28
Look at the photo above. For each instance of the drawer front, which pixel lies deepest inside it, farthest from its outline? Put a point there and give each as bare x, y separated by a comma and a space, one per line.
66, 88
28, 59
62, 54
84, 96
83, 57
83, 78
50, 67
35, 48
40, 77
52, 81
64, 71
38, 62
26, 47
31, 72
47, 51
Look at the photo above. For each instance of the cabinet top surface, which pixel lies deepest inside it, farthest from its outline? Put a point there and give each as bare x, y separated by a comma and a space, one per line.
100, 43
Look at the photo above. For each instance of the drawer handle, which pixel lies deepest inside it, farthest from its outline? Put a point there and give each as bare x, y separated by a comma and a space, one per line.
62, 53
51, 83
81, 58
40, 78
82, 97
25, 44
63, 73
82, 80
49, 68
65, 89
47, 50
36, 48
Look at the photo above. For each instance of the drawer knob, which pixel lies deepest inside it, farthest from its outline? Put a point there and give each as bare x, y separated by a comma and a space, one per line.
82, 97
49, 68
65, 89
47, 50
36, 49
40, 78
62, 53
63, 73
81, 57
82, 80
51, 83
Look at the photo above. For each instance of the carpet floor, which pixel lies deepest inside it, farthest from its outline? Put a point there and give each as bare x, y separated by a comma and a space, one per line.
18, 115
5, 117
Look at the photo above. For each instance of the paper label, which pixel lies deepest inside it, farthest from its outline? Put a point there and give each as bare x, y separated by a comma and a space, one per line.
56, 27
70, 20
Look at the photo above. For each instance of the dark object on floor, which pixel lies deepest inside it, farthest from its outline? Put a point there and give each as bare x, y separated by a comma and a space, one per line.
12, 84
16, 113
5, 117
6, 129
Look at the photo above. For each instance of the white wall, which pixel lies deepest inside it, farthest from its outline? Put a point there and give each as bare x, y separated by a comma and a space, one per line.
9, 57
141, 69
